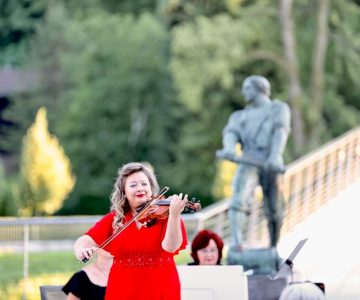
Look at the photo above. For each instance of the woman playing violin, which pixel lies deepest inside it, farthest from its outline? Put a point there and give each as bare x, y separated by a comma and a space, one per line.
143, 266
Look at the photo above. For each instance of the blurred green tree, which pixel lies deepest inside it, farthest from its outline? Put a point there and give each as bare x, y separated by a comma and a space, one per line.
207, 75
110, 6
177, 12
118, 106
106, 82
18, 19
8, 193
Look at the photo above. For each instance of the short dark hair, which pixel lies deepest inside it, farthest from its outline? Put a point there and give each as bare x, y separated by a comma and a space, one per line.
201, 240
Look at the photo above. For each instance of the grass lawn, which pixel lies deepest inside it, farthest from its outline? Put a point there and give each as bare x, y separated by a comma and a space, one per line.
44, 268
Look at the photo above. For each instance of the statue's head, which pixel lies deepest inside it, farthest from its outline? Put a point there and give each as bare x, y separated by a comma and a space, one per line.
255, 85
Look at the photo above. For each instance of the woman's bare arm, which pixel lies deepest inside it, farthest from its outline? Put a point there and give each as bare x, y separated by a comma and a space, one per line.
173, 235
84, 247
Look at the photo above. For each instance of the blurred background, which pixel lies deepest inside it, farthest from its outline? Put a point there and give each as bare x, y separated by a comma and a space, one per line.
87, 86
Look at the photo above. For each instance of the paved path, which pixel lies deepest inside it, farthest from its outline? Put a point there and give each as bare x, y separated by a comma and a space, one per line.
332, 253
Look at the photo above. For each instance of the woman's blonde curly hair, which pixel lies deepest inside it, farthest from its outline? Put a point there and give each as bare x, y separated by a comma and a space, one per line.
119, 202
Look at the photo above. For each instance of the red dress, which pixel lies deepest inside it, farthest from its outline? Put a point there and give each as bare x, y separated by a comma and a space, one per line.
141, 270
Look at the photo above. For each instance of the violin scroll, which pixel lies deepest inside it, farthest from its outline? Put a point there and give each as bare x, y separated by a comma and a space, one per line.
192, 206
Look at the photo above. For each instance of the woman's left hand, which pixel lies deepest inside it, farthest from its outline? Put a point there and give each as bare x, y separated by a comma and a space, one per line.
177, 204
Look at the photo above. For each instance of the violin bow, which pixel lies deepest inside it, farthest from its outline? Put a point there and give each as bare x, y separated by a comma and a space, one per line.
132, 220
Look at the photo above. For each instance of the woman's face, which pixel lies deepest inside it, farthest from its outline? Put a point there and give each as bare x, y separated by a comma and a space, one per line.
137, 189
208, 255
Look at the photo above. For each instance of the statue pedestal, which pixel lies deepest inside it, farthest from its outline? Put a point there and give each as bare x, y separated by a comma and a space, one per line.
261, 261
261, 287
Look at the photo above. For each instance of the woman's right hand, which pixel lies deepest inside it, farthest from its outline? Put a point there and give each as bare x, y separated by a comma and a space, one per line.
82, 253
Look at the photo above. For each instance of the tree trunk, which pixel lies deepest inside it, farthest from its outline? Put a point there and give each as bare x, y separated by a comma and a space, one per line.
319, 54
292, 69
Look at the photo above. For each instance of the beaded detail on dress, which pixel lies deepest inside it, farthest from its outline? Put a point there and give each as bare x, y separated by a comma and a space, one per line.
142, 260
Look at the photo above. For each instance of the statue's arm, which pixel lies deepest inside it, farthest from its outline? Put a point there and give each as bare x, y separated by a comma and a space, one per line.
280, 136
230, 138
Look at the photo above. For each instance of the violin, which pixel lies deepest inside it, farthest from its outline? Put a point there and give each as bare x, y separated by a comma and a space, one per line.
151, 210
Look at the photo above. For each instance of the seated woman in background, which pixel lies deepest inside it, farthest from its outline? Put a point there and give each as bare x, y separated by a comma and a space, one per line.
90, 282
206, 248
302, 291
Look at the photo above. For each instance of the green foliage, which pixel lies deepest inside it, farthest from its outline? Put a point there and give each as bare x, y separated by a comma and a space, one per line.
46, 177
45, 61
207, 76
340, 110
176, 12
92, 7
117, 107
18, 22
9, 193
108, 71
129, 6
193, 169
21, 113
202, 58
346, 116
343, 57
18, 19
2, 180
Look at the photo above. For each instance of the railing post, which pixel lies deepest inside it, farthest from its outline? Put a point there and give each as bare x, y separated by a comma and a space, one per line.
308, 178
219, 224
319, 186
200, 226
26, 260
296, 205
357, 158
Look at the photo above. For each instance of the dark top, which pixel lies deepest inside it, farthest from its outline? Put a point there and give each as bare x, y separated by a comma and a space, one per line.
80, 286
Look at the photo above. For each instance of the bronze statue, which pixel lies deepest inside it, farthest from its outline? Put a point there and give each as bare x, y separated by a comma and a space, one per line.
262, 129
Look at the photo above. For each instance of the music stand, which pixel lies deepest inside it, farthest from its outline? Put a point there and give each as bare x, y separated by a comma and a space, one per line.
287, 265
